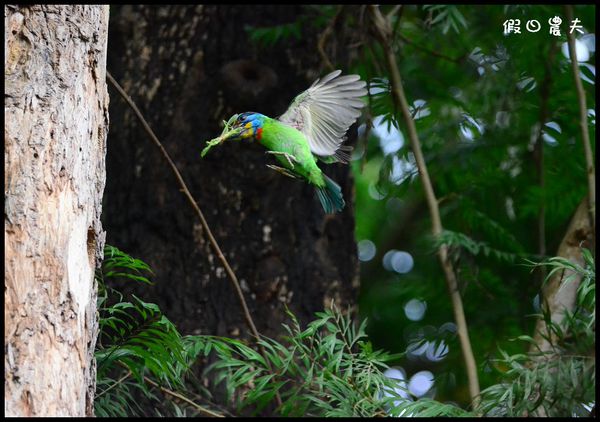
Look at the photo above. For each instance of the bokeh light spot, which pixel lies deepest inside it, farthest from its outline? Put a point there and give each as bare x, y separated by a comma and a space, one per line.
366, 250
420, 383
415, 309
402, 262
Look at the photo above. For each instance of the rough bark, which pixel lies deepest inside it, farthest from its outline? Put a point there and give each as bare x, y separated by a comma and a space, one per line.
56, 120
188, 68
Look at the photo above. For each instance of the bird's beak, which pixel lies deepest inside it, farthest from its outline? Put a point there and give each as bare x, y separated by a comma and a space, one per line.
231, 130
232, 133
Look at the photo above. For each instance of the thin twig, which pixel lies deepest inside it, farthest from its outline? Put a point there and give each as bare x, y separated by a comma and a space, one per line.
583, 125
384, 31
192, 201
323, 39
392, 12
457, 60
368, 127
185, 399
119, 381
538, 154
211, 238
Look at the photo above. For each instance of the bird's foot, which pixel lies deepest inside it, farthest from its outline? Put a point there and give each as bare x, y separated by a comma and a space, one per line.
283, 171
289, 157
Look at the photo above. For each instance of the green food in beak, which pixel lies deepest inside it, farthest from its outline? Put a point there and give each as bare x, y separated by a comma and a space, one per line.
228, 132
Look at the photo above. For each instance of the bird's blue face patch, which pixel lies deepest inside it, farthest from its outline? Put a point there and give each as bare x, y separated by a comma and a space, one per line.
252, 124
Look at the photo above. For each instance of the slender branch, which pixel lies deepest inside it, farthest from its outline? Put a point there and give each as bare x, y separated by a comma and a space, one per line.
185, 399
394, 10
456, 60
583, 125
538, 154
383, 31
192, 201
211, 238
368, 127
323, 39
119, 381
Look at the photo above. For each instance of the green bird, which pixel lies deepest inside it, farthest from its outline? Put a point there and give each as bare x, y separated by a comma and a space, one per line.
312, 129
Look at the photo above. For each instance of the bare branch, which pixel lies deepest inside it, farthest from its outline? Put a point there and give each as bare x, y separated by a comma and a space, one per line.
193, 202
323, 39
384, 33
585, 135
211, 238
456, 60
117, 382
538, 153
394, 10
192, 403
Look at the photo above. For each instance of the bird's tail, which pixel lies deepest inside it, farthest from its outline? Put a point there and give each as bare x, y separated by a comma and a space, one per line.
330, 196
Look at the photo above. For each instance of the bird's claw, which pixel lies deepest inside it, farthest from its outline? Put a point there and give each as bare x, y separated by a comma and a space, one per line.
283, 171
290, 158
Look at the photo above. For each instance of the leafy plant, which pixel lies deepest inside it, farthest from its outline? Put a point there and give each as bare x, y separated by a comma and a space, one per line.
558, 382
327, 369
135, 340
447, 16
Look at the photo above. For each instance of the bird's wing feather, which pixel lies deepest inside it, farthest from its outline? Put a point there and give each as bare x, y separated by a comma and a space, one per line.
325, 111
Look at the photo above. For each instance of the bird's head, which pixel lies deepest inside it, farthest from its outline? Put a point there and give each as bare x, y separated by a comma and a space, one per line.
247, 125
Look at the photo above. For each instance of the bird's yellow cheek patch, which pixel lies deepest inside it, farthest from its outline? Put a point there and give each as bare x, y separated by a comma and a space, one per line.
249, 132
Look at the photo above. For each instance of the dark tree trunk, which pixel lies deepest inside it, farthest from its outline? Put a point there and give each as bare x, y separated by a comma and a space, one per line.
181, 65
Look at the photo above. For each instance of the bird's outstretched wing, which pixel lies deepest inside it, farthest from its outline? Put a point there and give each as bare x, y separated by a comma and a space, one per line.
325, 111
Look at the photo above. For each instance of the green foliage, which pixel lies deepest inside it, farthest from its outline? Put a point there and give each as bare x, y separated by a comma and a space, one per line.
481, 94
327, 369
268, 37
135, 339
118, 264
557, 382
137, 335
115, 398
456, 241
274, 36
447, 16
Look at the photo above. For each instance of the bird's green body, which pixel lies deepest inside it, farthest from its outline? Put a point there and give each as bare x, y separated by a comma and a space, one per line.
312, 129
297, 157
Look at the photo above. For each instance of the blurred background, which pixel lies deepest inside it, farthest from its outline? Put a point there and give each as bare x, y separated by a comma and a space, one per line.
498, 120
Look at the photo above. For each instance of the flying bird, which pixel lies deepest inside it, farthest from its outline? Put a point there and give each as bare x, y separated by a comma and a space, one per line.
313, 128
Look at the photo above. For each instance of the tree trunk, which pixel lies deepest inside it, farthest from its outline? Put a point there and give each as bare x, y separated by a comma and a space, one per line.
558, 293
56, 120
188, 68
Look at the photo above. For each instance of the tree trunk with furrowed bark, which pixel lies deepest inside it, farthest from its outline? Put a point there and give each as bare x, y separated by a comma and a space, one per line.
56, 121
188, 68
